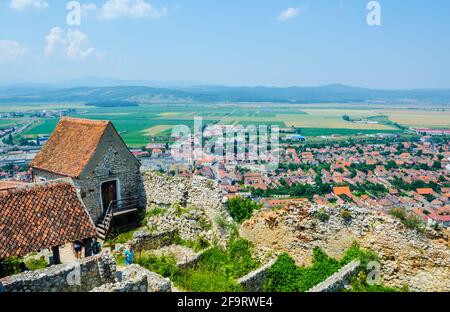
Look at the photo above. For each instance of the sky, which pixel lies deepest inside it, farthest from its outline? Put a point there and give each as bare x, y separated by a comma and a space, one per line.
233, 42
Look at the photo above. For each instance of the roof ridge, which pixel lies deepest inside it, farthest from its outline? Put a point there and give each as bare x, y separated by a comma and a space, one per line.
38, 185
71, 146
85, 121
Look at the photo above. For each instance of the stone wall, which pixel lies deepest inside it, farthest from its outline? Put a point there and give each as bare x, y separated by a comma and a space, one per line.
138, 284
192, 261
197, 192
338, 280
254, 281
110, 166
143, 240
407, 257
155, 282
79, 276
134, 278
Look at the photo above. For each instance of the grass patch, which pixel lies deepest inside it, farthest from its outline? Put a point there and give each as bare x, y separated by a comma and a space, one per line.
410, 221
197, 245
217, 271
286, 276
156, 211
13, 265
122, 238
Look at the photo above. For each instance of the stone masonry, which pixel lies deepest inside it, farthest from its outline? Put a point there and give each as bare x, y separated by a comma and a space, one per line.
338, 280
79, 276
200, 195
111, 166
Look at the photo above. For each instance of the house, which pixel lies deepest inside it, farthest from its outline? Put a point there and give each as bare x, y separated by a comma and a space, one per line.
342, 190
425, 191
94, 156
42, 216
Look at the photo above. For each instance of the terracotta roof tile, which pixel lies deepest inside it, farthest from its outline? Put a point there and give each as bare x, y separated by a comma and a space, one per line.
42, 217
424, 191
342, 190
71, 146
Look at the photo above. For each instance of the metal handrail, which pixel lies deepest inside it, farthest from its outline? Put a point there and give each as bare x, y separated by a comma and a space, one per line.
124, 204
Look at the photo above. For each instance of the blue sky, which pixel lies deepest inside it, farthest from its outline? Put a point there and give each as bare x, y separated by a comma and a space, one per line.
232, 42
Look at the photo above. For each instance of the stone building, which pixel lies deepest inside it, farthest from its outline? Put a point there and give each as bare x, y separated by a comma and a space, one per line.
94, 156
42, 216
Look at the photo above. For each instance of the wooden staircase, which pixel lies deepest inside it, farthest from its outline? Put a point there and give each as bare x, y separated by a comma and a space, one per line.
116, 208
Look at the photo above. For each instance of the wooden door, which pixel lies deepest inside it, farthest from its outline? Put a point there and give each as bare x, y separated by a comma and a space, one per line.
109, 193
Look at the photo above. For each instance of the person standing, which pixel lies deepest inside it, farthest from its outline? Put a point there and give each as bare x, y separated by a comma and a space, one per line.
96, 247
77, 248
128, 256
88, 247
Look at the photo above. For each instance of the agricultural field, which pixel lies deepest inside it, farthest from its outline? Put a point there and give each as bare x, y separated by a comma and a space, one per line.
420, 118
135, 124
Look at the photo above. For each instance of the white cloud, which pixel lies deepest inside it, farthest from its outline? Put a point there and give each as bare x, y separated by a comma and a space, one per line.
54, 38
78, 45
11, 51
75, 44
290, 13
27, 4
130, 8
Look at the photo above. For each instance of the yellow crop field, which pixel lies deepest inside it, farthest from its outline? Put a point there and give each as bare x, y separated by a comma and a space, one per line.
332, 118
156, 129
420, 118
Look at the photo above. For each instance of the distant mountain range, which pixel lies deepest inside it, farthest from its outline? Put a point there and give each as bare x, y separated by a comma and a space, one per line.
336, 93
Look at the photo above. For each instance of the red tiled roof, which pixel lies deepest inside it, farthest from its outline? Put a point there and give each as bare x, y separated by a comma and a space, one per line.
71, 146
342, 190
10, 184
42, 217
424, 191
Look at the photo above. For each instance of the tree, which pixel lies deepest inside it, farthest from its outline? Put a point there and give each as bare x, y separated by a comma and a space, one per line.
9, 140
437, 165
346, 118
241, 209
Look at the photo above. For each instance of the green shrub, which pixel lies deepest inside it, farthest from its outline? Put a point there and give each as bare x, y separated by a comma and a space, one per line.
240, 257
36, 264
10, 266
165, 266
156, 211
222, 222
322, 216
286, 276
120, 258
346, 215
241, 209
398, 213
204, 224
332, 200
283, 276
410, 221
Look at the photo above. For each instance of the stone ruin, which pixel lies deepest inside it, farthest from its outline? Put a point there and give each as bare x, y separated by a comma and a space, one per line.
96, 274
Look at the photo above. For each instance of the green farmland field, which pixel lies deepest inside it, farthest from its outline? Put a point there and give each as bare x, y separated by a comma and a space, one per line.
135, 124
